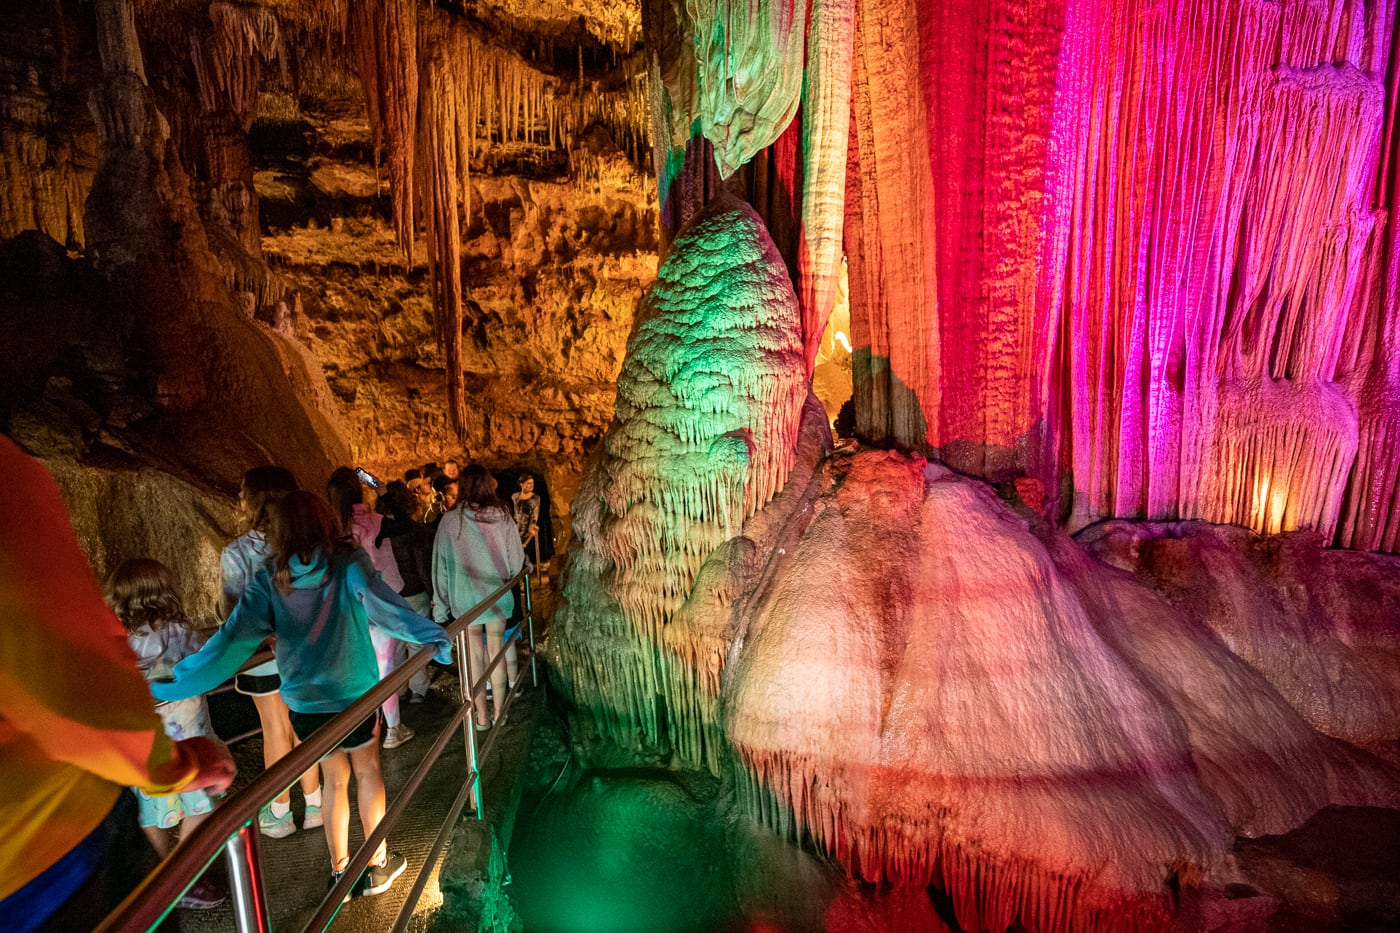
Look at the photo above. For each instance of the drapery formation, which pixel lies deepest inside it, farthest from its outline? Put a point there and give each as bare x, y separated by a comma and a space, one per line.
1137, 252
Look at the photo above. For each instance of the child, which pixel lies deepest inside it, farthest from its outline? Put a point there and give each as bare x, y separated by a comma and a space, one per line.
241, 559
142, 594
318, 595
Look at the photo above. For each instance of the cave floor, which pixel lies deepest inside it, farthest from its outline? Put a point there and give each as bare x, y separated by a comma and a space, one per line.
296, 868
1338, 871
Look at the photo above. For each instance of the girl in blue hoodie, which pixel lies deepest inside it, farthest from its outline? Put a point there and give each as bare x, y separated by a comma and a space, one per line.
318, 596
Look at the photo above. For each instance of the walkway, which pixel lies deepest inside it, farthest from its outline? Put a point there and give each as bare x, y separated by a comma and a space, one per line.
298, 866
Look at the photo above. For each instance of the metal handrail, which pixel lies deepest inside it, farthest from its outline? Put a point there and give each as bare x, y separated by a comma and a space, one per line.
231, 826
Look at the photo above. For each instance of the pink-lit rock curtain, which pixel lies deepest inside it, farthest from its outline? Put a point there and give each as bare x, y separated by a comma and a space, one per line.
1138, 251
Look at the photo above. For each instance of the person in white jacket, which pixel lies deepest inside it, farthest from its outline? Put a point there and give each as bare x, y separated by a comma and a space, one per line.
476, 550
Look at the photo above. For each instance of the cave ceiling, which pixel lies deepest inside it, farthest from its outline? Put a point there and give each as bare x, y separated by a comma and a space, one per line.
322, 225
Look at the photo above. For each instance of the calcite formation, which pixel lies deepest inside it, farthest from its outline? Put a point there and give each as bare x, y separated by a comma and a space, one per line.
475, 93
1141, 253
1322, 626
706, 424
1121, 259
935, 690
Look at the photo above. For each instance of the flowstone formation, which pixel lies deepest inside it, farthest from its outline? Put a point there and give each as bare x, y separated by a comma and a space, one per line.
706, 423
938, 690
1322, 626
934, 691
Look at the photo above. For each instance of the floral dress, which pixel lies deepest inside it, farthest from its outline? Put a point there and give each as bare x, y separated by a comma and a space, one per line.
156, 654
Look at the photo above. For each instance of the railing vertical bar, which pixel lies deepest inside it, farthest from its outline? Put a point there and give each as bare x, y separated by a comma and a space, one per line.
420, 882
245, 881
464, 674
530, 627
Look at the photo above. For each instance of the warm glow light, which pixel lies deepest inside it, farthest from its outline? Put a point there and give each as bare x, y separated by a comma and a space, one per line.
840, 337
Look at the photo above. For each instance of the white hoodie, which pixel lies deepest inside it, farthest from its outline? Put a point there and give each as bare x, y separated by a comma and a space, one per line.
474, 553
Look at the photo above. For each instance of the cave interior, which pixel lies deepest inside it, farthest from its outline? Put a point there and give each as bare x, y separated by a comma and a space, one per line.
971, 427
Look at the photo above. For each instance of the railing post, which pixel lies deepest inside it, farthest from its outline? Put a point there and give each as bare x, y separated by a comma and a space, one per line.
245, 881
530, 627
465, 676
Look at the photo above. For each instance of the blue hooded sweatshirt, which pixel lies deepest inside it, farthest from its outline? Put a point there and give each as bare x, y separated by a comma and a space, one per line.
323, 648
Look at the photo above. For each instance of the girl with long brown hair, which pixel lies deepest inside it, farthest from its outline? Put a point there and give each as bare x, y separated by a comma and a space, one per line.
262, 488
319, 595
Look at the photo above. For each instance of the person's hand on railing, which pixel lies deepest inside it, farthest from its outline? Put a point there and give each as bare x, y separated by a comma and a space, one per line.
216, 767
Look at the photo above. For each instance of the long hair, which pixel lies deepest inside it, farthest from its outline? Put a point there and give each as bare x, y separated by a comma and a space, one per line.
263, 486
476, 490
302, 526
142, 592
344, 492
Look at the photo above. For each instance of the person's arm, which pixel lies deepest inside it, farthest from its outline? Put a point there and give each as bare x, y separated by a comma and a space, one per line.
226, 650
514, 553
56, 624
392, 613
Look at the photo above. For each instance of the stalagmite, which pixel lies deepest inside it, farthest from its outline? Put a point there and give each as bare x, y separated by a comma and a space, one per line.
708, 409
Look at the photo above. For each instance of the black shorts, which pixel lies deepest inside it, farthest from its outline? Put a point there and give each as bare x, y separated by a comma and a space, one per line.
257, 685
303, 724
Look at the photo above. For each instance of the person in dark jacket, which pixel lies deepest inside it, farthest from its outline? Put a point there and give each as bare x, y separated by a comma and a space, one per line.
412, 546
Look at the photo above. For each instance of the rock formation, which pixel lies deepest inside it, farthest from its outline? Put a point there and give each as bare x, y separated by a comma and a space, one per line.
707, 414
1121, 260
305, 245
1094, 258
1142, 289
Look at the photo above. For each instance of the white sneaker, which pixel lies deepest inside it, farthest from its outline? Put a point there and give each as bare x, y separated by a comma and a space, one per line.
397, 735
312, 818
275, 827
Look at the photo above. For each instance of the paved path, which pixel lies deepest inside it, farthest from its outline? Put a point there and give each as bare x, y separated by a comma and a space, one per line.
298, 867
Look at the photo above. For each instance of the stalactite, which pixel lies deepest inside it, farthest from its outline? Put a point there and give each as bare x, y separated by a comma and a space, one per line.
385, 33
740, 77
444, 165
826, 101
228, 60
229, 54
